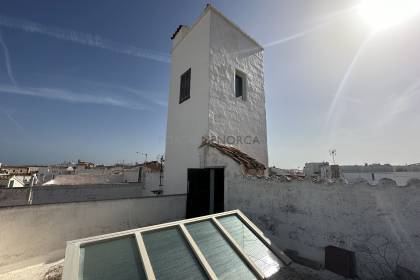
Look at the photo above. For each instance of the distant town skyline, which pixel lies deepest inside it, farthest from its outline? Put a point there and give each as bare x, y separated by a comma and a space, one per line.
90, 80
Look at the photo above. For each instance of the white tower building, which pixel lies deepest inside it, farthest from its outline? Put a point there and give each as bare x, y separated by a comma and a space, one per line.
216, 94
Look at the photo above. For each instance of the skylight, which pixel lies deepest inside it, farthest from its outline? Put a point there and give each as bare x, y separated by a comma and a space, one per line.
220, 246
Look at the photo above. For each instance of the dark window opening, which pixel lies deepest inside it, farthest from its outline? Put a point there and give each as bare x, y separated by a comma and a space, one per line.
184, 93
239, 86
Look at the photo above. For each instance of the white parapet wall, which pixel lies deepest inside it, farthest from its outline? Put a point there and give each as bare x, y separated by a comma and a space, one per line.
380, 223
37, 234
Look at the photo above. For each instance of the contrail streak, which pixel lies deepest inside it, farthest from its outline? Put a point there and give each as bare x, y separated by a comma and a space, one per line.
345, 78
325, 21
13, 120
7, 59
284, 39
69, 96
104, 87
81, 38
296, 35
399, 103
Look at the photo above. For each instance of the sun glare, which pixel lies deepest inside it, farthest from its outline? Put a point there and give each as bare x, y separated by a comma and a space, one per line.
382, 14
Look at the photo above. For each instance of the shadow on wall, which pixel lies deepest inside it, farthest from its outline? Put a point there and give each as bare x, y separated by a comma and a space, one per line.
378, 223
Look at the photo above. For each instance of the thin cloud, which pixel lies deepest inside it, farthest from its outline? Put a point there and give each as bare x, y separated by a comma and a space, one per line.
7, 59
82, 38
69, 96
343, 82
95, 86
325, 20
296, 35
9, 116
400, 103
143, 94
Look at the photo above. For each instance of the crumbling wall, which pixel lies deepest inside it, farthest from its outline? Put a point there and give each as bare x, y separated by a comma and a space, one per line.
379, 223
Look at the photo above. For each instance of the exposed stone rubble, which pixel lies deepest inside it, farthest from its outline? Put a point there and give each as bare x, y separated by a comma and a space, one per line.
44, 271
54, 273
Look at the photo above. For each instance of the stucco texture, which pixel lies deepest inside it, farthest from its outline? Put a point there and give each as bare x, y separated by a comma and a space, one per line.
231, 51
214, 49
379, 223
38, 233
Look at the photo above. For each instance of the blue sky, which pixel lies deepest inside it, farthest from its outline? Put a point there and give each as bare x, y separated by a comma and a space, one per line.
90, 79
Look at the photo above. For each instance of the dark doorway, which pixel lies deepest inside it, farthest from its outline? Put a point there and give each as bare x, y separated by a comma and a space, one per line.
205, 191
340, 261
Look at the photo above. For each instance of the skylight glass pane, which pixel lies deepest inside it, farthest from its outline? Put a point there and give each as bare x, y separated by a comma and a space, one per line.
111, 260
256, 250
170, 255
219, 254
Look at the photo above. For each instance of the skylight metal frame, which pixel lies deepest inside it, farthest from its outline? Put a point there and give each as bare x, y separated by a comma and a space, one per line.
72, 258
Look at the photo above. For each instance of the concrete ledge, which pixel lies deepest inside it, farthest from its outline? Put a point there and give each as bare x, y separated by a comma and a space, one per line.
38, 233
68, 194
13, 197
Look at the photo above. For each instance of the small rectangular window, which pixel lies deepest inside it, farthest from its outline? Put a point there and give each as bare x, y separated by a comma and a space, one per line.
184, 93
240, 84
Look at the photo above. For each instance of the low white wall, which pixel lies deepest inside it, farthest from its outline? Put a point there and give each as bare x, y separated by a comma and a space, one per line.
400, 178
37, 234
380, 223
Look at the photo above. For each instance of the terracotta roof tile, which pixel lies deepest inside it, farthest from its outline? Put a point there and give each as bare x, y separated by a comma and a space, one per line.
237, 155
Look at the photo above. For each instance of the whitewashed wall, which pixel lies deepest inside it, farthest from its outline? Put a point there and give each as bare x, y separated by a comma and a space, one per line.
188, 121
37, 234
151, 180
231, 50
213, 48
380, 223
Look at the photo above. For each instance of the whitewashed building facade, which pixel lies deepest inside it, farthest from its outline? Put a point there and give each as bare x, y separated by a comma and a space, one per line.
216, 95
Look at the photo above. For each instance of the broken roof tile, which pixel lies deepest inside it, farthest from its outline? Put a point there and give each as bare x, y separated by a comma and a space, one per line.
237, 155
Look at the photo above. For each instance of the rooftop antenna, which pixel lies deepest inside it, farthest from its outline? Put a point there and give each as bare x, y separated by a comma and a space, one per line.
333, 153
161, 159
137, 156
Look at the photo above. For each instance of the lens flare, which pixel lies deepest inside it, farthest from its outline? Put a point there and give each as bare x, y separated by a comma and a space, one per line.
382, 14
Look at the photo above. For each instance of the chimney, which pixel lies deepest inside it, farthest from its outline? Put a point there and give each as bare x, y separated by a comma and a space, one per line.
179, 34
